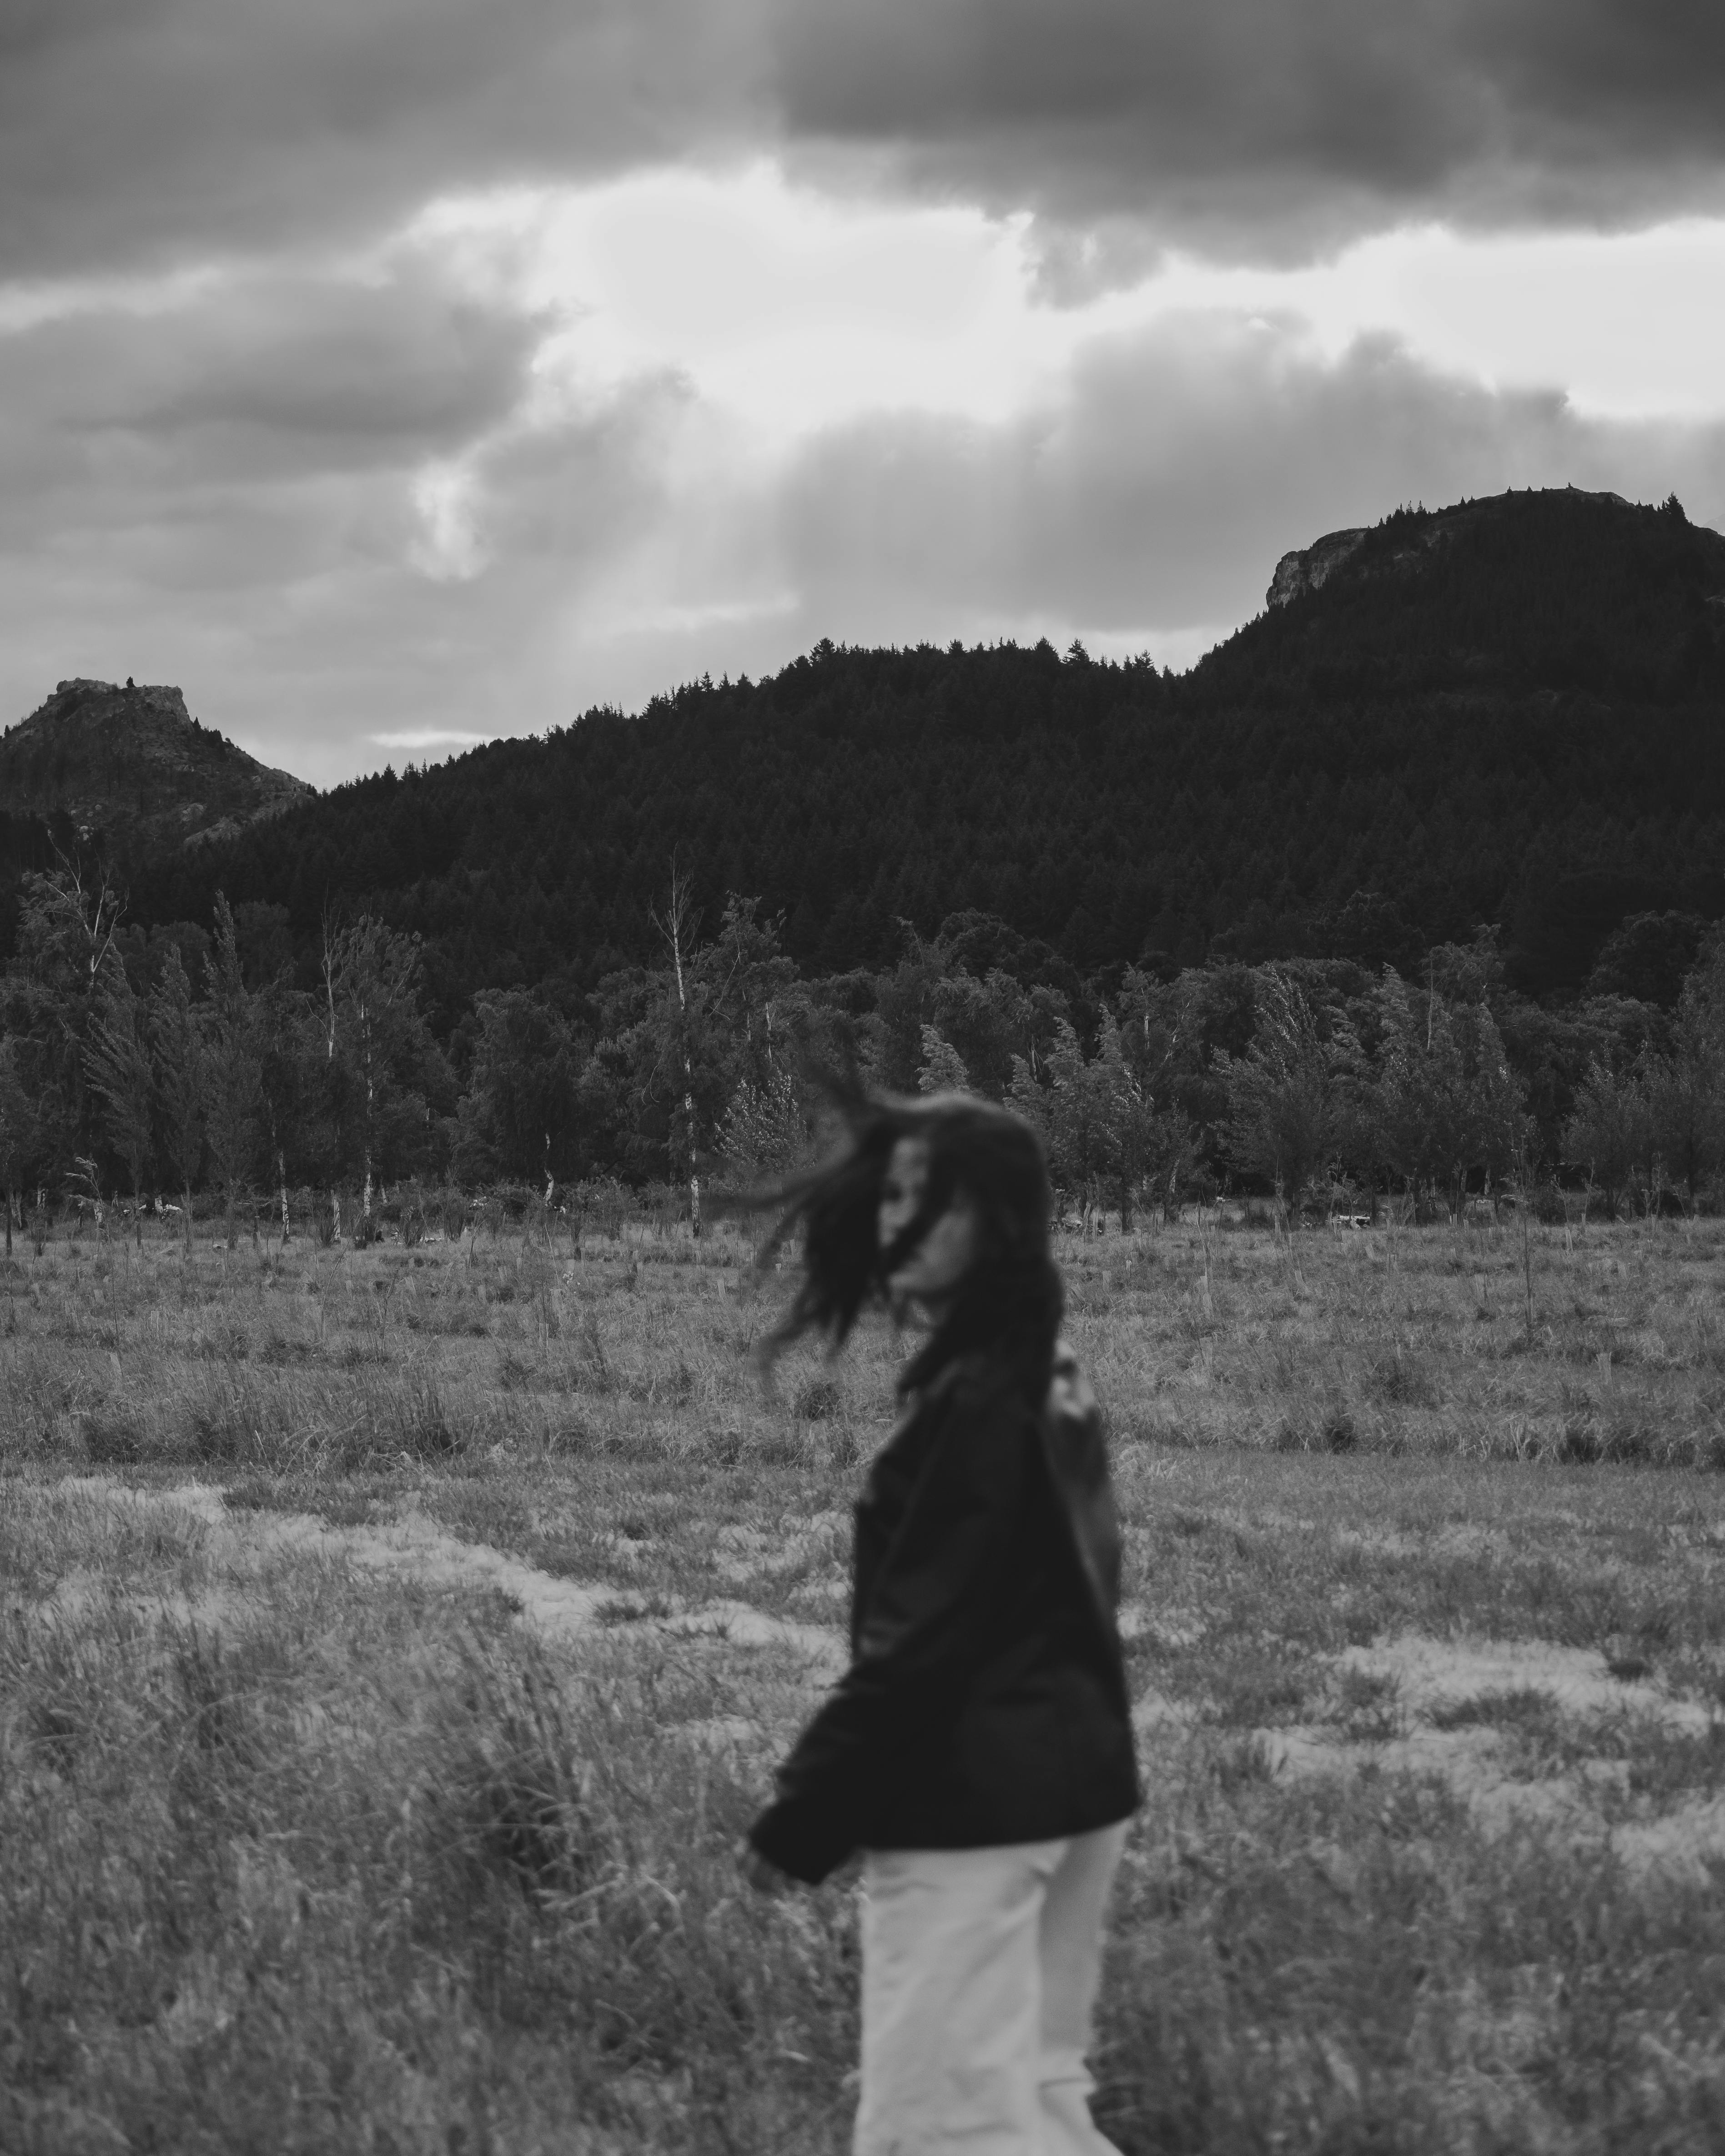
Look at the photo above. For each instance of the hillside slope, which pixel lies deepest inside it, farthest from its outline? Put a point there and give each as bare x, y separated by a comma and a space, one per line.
1512, 710
1556, 590
132, 763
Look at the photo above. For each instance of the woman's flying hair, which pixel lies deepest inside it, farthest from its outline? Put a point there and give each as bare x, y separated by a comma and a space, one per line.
1010, 1302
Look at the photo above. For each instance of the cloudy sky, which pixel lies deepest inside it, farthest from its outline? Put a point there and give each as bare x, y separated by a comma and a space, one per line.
391, 374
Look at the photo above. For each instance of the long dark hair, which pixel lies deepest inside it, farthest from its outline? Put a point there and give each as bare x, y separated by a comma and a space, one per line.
1009, 1304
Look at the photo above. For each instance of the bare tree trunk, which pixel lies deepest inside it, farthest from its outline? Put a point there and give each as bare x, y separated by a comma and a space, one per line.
328, 993
674, 928
188, 1217
371, 1102
281, 1177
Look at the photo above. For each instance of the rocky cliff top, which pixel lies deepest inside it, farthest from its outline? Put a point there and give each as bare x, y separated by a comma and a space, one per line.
1308, 568
130, 760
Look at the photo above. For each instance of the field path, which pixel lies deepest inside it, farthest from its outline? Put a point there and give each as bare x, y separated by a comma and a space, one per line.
415, 1547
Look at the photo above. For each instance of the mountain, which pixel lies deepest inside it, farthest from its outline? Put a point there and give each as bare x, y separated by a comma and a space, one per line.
133, 764
1515, 594
1509, 711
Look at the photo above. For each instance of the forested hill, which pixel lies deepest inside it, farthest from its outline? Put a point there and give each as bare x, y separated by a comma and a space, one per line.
133, 762
1506, 712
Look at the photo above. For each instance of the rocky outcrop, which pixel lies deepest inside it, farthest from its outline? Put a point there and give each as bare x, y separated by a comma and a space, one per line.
1399, 544
1308, 567
131, 761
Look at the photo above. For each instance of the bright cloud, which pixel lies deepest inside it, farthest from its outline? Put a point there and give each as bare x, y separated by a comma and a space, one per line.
428, 737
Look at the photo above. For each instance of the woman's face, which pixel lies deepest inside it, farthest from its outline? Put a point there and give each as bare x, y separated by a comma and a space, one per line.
937, 1265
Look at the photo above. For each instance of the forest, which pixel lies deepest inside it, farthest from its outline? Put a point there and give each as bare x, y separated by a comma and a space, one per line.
166, 1062
1411, 885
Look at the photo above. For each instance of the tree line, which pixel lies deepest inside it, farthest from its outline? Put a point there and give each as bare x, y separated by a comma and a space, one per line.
164, 1064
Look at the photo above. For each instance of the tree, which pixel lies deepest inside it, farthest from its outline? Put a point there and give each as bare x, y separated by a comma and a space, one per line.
1101, 1129
765, 1132
1179, 1036
1445, 1101
377, 1037
1139, 1141
520, 1116
176, 1064
992, 1019
1685, 1087
1053, 1096
942, 1070
17, 1128
677, 926
954, 984
68, 924
1158, 1047
1288, 1102
117, 1064
685, 1035
292, 1080
1611, 1134
66, 930
233, 1067
1685, 1127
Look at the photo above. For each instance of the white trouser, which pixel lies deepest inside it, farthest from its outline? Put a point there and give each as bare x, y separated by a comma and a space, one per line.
980, 1968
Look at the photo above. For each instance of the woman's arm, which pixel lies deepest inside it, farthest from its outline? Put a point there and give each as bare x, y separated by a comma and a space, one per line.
925, 1632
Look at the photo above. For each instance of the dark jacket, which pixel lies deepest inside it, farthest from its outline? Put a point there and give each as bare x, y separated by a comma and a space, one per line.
986, 1702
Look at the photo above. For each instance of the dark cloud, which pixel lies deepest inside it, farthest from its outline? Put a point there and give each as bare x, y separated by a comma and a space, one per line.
145, 130
257, 376
1264, 125
136, 131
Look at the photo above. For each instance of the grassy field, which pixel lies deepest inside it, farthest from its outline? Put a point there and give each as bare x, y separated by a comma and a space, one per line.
393, 1643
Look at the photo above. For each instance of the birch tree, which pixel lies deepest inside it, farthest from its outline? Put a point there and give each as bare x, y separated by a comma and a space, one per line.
233, 1067
678, 927
374, 1028
65, 942
178, 1069
1288, 1102
116, 1066
1446, 1102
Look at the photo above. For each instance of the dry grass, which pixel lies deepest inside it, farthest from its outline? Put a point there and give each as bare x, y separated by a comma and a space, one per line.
393, 1645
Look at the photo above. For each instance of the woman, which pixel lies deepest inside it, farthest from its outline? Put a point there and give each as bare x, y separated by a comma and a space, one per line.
979, 1748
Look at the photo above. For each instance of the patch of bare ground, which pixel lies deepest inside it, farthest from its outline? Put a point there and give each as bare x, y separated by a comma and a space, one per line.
1521, 1730
248, 1547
